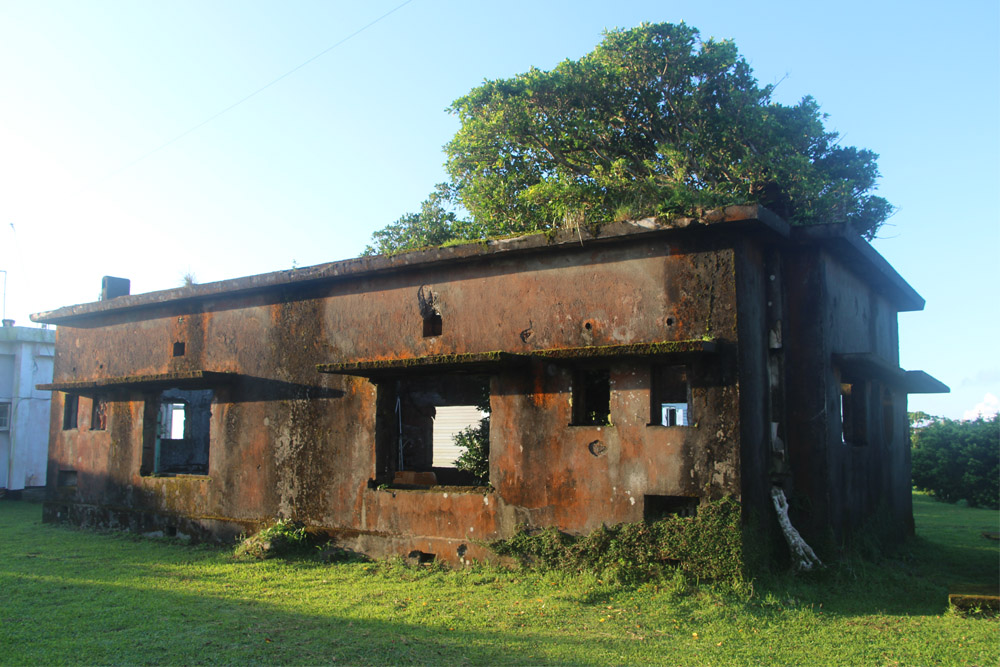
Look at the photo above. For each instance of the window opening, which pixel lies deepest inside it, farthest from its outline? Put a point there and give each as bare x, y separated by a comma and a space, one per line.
178, 349
4, 416
888, 415
71, 405
176, 432
853, 412
671, 396
440, 431
99, 414
592, 397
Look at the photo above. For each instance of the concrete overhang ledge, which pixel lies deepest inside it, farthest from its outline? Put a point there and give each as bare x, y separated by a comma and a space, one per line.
875, 367
177, 379
483, 361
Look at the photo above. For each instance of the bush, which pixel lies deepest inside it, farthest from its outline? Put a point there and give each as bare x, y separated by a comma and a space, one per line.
282, 538
959, 460
708, 545
475, 457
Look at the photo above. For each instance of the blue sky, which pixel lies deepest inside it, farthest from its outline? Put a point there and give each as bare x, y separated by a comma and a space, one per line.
304, 171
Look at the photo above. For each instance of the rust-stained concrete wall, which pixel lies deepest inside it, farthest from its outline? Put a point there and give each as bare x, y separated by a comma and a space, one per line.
289, 441
839, 486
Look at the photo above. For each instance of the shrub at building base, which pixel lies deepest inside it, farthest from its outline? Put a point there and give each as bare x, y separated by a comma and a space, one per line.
707, 546
279, 539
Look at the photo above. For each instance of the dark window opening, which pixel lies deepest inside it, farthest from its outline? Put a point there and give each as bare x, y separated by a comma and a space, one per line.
670, 394
854, 412
178, 349
417, 557
4, 416
99, 414
432, 324
655, 508
888, 415
438, 431
66, 478
592, 397
176, 427
71, 406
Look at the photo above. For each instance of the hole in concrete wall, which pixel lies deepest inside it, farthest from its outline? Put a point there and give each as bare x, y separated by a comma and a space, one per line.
66, 478
670, 321
854, 412
670, 396
71, 406
170, 531
176, 425
430, 417
597, 448
427, 301
99, 414
655, 508
432, 325
418, 557
462, 550
591, 397
178, 349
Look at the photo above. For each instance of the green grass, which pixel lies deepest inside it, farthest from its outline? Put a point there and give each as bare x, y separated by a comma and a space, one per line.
80, 597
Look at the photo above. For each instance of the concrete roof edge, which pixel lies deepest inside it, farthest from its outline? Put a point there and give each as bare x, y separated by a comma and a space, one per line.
15, 334
739, 218
858, 254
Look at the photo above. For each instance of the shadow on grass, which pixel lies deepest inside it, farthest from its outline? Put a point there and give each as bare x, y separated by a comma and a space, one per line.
947, 554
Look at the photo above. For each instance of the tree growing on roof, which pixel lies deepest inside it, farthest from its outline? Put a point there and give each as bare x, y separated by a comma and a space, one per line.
654, 121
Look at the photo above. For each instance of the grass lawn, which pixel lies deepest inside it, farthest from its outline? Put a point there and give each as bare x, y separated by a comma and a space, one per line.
72, 596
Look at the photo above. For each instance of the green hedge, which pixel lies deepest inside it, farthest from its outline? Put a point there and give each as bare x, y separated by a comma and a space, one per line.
958, 460
708, 545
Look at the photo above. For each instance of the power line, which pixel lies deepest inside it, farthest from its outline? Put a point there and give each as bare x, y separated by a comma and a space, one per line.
258, 91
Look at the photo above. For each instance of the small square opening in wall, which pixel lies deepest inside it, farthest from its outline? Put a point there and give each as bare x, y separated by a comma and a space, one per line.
4, 416
592, 397
66, 478
655, 508
71, 406
178, 349
432, 325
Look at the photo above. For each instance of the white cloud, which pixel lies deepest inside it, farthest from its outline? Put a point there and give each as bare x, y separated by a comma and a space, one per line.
989, 406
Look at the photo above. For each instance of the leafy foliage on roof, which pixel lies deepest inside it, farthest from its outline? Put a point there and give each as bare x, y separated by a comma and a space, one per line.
654, 121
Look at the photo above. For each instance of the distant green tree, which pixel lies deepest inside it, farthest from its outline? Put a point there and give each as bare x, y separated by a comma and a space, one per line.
958, 460
654, 121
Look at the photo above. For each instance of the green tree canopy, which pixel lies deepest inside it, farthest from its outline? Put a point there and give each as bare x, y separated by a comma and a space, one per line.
654, 121
957, 460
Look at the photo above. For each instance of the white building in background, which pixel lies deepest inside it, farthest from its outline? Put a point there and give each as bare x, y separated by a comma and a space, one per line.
26, 357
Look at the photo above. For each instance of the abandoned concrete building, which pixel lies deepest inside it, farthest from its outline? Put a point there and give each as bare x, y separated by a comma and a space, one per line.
631, 372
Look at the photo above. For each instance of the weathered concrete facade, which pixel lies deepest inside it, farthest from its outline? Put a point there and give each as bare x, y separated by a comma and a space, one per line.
631, 372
